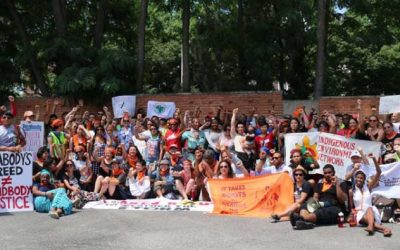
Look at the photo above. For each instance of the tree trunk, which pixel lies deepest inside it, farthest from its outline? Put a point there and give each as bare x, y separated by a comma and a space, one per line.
185, 46
240, 48
60, 16
99, 28
32, 59
322, 32
141, 44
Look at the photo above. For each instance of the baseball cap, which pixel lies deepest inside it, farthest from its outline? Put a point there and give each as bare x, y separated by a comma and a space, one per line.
355, 153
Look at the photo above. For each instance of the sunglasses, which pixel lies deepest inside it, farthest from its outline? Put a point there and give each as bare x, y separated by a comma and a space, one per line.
298, 174
373, 120
223, 166
69, 164
275, 158
7, 117
390, 161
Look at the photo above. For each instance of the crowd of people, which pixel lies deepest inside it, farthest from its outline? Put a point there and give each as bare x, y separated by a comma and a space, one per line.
92, 156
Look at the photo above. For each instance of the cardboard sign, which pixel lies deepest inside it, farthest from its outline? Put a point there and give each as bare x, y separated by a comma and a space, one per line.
34, 136
16, 182
389, 104
122, 104
252, 196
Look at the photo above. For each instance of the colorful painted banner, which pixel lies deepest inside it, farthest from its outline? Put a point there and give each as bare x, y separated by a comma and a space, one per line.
389, 104
16, 182
151, 205
122, 104
160, 109
34, 136
389, 183
252, 196
328, 148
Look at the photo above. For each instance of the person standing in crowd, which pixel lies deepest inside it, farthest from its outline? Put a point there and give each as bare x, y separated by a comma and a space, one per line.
11, 138
262, 163
212, 136
192, 139
359, 161
278, 165
374, 131
390, 136
57, 139
125, 134
153, 151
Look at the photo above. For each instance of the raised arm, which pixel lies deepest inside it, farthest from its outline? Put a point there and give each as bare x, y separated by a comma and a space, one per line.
233, 122
374, 180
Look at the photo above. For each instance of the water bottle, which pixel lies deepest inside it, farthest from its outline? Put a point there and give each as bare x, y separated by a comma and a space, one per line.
340, 219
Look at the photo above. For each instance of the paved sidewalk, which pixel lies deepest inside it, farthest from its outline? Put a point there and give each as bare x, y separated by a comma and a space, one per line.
117, 229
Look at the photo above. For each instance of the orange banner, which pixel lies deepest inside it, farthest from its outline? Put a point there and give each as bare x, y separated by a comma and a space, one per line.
252, 196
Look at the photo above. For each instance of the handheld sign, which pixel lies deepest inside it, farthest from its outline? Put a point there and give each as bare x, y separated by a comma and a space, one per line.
161, 109
389, 104
122, 104
16, 182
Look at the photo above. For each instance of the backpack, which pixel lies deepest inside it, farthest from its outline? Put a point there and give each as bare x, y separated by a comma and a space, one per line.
385, 207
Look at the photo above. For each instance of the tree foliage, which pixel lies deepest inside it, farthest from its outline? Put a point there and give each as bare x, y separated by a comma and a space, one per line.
234, 45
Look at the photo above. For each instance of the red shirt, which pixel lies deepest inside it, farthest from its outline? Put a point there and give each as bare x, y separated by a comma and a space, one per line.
264, 141
171, 137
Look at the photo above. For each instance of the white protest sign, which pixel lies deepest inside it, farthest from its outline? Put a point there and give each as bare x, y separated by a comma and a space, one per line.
122, 104
161, 109
396, 127
34, 135
329, 149
16, 182
389, 182
389, 104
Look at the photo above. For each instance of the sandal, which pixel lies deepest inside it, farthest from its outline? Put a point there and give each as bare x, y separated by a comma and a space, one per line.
54, 215
387, 232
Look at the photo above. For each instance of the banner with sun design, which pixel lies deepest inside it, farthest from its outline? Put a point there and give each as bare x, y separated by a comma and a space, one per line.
328, 148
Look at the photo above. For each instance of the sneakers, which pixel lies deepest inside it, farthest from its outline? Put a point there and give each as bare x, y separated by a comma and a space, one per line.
303, 225
294, 217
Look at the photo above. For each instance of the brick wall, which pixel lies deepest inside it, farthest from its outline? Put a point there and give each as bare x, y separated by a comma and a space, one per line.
348, 104
207, 102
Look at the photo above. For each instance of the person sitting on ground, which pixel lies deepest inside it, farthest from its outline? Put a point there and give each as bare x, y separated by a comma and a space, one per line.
104, 172
138, 181
164, 183
302, 192
48, 199
367, 214
225, 170
37, 166
330, 197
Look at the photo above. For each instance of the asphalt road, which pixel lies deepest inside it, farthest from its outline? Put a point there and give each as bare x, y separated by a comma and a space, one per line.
116, 229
